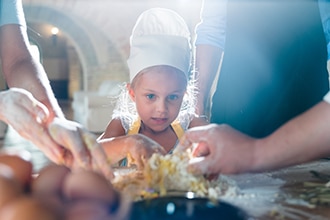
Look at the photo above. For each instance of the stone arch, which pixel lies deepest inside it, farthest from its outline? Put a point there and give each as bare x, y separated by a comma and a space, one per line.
94, 49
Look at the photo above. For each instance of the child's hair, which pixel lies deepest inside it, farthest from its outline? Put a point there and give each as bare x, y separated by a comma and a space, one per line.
159, 37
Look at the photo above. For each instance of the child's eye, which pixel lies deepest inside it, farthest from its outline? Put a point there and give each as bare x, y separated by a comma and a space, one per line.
172, 97
150, 96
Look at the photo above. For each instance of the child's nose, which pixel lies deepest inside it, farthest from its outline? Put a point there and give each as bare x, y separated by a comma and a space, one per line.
161, 105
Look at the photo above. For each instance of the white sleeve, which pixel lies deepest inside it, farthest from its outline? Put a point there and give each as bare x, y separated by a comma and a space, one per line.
11, 12
327, 97
212, 28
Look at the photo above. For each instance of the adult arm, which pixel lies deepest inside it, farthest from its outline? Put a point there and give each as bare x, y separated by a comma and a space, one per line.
39, 117
222, 149
210, 43
208, 63
22, 70
302, 139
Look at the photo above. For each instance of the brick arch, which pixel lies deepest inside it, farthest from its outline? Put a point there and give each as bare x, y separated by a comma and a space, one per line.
94, 59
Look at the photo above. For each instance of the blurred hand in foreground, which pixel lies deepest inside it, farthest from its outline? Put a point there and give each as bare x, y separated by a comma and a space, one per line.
56, 193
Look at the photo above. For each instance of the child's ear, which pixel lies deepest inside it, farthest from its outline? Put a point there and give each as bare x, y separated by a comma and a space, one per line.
130, 91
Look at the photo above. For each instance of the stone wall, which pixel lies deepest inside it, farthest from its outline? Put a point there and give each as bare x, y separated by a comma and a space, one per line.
99, 32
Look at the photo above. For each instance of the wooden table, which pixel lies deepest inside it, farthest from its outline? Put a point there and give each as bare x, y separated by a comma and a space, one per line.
275, 195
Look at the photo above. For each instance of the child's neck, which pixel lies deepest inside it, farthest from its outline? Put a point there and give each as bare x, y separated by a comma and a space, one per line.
166, 138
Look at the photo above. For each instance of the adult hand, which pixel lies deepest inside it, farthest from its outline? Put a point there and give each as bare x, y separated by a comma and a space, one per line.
136, 148
218, 149
81, 147
62, 141
29, 118
142, 149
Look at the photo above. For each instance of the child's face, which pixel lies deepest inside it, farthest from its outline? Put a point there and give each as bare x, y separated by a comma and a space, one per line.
158, 94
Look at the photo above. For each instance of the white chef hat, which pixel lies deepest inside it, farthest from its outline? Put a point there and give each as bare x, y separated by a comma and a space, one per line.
159, 37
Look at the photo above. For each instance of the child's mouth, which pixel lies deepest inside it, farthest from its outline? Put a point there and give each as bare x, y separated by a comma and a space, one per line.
159, 120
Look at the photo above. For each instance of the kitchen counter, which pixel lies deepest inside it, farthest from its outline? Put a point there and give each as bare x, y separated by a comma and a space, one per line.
276, 195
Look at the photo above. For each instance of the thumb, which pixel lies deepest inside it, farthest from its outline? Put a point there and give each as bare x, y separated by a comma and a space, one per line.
191, 136
200, 149
32, 105
66, 134
37, 109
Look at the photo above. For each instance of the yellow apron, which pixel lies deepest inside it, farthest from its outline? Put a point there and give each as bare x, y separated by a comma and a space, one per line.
178, 130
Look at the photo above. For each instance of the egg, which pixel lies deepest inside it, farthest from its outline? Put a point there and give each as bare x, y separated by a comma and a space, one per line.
50, 180
84, 184
21, 168
27, 208
9, 187
87, 210
47, 186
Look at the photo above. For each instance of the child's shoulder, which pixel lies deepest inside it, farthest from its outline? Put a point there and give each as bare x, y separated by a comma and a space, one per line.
198, 121
115, 128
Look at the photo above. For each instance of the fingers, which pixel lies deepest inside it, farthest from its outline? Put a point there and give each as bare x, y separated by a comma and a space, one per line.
201, 141
35, 108
67, 135
40, 137
160, 150
139, 160
22, 101
28, 117
81, 145
200, 149
145, 150
201, 166
193, 135
98, 154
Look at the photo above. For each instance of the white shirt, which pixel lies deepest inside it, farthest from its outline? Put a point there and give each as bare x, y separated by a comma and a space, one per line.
212, 28
11, 12
327, 97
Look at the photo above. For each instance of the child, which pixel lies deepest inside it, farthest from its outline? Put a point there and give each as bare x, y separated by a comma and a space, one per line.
159, 101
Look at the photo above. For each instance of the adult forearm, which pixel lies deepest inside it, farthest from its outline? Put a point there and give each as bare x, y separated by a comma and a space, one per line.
32, 77
302, 139
21, 70
208, 64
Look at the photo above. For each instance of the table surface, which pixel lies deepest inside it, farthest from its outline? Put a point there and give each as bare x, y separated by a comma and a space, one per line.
276, 195
261, 195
